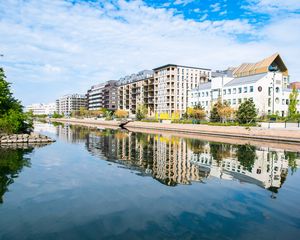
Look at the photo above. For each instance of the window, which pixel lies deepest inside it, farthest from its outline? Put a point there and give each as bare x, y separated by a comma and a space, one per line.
202, 94
269, 102
229, 101
234, 91
239, 101
229, 91
245, 89
277, 89
224, 92
206, 94
269, 91
234, 101
251, 88
240, 90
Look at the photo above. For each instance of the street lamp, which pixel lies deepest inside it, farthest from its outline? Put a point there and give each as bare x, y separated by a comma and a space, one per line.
273, 68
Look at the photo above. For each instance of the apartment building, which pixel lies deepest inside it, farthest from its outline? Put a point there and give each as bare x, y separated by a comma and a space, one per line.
41, 108
268, 90
104, 95
136, 89
172, 84
69, 103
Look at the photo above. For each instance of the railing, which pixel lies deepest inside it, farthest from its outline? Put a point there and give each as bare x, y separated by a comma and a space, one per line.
285, 124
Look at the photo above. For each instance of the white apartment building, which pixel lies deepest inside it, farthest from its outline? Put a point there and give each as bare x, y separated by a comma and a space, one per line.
41, 109
172, 84
69, 103
268, 90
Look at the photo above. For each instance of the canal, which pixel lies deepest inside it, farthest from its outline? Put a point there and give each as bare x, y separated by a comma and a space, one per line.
97, 183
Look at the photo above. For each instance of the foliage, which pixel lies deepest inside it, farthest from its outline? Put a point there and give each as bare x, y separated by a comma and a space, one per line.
175, 115
121, 113
246, 155
225, 112
246, 112
150, 120
12, 118
164, 116
214, 114
141, 112
293, 103
183, 121
196, 113
57, 115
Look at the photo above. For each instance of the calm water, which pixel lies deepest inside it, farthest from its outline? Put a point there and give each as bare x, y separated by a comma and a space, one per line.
105, 184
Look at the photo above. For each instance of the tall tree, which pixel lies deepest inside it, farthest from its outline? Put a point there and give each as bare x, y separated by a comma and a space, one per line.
293, 102
246, 112
7, 101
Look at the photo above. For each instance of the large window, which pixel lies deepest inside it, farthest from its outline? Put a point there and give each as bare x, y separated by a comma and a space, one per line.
251, 88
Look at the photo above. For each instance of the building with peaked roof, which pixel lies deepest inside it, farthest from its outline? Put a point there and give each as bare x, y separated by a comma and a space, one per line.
268, 89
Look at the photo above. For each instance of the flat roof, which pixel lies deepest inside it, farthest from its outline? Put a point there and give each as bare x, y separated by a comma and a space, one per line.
176, 65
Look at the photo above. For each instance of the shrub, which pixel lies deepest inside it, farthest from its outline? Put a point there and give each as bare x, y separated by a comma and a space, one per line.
121, 113
246, 112
141, 112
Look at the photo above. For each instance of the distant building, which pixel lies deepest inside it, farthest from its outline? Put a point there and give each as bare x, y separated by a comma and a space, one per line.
295, 84
136, 89
69, 103
104, 95
41, 109
268, 90
171, 86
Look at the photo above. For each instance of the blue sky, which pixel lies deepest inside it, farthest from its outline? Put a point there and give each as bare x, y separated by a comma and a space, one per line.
58, 47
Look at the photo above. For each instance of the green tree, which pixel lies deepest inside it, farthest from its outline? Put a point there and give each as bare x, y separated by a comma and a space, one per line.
141, 112
214, 113
246, 112
12, 118
293, 102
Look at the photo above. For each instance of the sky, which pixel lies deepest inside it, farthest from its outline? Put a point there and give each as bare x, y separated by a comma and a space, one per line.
57, 47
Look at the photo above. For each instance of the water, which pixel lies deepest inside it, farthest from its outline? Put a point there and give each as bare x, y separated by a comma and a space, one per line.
106, 184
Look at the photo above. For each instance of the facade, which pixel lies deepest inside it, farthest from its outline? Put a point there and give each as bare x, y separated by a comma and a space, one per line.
136, 89
41, 109
69, 103
268, 90
172, 84
104, 95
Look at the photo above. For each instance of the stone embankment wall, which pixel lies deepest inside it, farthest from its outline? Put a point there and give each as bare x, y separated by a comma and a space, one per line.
25, 138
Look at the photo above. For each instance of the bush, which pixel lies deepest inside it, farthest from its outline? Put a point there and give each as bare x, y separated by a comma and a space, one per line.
141, 112
15, 122
246, 112
121, 113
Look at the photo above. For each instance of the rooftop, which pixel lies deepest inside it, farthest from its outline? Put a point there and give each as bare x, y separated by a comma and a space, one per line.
245, 80
175, 65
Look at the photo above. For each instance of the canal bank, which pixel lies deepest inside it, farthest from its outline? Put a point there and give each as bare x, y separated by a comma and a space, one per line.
259, 133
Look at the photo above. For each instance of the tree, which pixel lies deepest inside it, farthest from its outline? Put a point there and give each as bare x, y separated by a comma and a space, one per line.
214, 114
141, 112
246, 112
225, 112
197, 112
12, 118
121, 113
293, 102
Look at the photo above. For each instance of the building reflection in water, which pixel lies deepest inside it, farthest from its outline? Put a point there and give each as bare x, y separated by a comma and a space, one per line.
174, 160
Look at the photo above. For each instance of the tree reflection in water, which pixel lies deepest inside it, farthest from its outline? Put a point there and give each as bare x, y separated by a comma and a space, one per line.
12, 161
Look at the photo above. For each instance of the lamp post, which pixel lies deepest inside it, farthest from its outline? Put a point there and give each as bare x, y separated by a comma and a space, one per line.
273, 68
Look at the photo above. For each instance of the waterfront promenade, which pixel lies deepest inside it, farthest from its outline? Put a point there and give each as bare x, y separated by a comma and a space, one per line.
259, 133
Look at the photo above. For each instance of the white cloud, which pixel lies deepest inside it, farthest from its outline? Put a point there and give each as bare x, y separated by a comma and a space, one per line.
274, 6
53, 47
215, 7
183, 2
